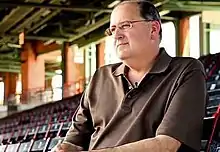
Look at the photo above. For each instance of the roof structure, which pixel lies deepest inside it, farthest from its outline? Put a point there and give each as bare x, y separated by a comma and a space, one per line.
75, 21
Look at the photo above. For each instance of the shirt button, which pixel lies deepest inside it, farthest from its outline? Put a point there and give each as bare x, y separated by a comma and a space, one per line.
129, 96
126, 108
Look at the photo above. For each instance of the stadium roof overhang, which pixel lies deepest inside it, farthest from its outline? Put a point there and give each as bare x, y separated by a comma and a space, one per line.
77, 22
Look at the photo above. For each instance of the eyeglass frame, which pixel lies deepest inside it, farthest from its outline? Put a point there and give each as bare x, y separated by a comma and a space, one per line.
108, 30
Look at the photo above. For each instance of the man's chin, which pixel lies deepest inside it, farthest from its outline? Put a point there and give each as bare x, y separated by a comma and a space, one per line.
123, 57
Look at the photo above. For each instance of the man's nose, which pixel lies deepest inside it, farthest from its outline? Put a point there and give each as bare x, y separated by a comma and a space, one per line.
118, 34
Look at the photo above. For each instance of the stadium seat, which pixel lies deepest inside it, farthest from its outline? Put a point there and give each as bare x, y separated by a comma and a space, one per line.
213, 144
39, 145
12, 148
54, 142
24, 147
2, 148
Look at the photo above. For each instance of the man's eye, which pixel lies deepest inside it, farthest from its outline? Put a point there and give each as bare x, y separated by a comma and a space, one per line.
125, 26
112, 29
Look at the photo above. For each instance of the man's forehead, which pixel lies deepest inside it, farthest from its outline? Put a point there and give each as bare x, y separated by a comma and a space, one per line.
123, 12
125, 5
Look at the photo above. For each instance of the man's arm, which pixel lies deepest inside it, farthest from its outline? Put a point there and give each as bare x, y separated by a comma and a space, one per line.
160, 143
81, 129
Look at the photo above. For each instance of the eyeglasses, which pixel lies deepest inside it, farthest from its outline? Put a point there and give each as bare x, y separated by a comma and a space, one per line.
123, 26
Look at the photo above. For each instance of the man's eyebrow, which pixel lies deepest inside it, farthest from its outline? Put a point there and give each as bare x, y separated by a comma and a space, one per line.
113, 25
122, 22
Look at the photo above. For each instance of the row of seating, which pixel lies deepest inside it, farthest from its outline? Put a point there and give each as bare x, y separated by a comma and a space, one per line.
38, 129
41, 138
212, 68
59, 111
211, 64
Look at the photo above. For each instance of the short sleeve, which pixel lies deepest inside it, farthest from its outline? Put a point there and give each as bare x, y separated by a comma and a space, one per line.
183, 119
80, 132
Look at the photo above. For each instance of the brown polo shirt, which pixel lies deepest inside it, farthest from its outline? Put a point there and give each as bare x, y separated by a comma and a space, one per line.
170, 100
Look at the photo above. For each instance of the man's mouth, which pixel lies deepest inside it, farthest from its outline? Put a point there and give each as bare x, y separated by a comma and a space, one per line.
121, 44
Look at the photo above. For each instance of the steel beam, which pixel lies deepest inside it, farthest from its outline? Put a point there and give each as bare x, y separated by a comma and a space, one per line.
37, 37
168, 18
36, 17
39, 24
27, 22
18, 70
7, 62
53, 6
87, 29
83, 43
177, 34
52, 65
14, 16
181, 6
50, 74
54, 13
9, 70
158, 3
208, 2
63, 65
10, 66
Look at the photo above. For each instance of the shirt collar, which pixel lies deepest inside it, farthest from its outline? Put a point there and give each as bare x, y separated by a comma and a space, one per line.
161, 64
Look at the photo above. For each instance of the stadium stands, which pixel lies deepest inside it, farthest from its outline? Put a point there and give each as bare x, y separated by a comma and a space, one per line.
212, 69
41, 128
214, 141
38, 129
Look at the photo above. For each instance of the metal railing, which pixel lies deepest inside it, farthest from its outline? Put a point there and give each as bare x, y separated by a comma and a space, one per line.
45, 95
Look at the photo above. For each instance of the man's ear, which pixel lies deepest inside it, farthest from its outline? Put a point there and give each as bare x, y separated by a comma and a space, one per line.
155, 29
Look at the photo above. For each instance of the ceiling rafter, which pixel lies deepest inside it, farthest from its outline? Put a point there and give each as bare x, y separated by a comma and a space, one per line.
183, 6
14, 16
36, 17
87, 29
41, 24
53, 6
36, 37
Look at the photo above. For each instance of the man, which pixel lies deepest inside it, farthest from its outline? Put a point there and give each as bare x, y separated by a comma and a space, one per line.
150, 102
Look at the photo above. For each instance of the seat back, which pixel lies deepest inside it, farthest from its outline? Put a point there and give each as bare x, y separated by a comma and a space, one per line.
54, 142
214, 140
39, 145
12, 148
2, 148
24, 147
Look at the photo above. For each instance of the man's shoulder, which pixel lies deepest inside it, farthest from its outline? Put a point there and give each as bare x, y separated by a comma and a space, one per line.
102, 75
109, 69
105, 72
187, 63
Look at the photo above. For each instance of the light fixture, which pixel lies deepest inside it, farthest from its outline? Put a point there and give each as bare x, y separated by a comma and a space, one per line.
13, 45
59, 71
59, 58
113, 4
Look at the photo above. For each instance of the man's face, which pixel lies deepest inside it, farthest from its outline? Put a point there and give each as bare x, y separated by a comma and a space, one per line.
131, 42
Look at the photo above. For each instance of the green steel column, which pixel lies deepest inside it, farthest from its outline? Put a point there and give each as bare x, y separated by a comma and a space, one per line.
63, 53
207, 38
177, 29
204, 38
